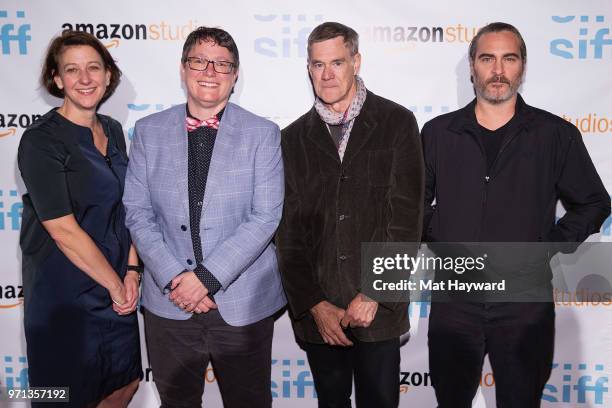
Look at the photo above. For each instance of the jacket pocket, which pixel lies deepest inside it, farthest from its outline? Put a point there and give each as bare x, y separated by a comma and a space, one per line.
380, 163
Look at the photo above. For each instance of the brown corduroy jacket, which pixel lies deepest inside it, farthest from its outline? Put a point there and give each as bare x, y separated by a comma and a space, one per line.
374, 195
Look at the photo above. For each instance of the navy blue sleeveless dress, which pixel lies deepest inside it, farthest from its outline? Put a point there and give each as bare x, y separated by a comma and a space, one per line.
74, 338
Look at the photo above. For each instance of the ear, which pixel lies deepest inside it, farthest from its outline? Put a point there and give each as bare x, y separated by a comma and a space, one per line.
108, 77
236, 72
58, 81
471, 71
182, 72
357, 63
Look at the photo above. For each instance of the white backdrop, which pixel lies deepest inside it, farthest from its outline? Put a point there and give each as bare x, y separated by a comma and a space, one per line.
414, 53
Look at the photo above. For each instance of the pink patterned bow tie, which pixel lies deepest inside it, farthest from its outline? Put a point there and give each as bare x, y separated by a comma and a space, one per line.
193, 124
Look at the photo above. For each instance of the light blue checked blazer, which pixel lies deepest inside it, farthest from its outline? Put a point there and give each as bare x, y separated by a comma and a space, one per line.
241, 209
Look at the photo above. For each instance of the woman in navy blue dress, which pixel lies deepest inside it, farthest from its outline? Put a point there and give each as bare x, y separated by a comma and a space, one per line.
80, 297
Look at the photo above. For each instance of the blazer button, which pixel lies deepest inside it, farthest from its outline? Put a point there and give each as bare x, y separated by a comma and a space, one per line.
342, 217
189, 262
342, 257
183, 228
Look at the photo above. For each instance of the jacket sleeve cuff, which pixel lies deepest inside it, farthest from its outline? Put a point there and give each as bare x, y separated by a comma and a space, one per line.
207, 279
302, 308
393, 306
168, 287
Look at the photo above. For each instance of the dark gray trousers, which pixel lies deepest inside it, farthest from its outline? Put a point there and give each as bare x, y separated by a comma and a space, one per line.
180, 350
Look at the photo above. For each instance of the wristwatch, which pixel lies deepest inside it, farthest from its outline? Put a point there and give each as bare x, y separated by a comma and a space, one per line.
137, 268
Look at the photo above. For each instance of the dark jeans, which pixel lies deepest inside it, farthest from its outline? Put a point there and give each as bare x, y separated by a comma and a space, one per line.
519, 338
180, 350
375, 365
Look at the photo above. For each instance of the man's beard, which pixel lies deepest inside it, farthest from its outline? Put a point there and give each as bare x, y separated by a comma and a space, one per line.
493, 96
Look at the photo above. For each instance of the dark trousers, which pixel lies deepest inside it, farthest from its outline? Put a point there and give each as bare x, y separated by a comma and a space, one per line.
519, 338
180, 350
374, 365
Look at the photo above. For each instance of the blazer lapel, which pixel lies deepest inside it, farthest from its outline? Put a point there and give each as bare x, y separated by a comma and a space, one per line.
222, 152
319, 135
365, 123
178, 131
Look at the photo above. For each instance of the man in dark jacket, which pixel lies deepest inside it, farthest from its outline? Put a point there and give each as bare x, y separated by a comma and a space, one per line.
496, 170
353, 174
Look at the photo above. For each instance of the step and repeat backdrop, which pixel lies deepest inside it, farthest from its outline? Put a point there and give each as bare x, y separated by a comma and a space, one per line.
414, 53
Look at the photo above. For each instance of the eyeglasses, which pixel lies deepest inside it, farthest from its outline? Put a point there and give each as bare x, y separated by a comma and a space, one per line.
200, 64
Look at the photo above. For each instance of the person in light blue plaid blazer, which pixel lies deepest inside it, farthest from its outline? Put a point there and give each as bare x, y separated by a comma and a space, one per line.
217, 308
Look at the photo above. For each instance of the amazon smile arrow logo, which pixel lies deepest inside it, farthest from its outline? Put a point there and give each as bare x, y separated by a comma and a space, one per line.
9, 132
11, 296
12, 305
112, 44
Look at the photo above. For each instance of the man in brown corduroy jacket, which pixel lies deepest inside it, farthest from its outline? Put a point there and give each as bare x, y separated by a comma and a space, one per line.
353, 173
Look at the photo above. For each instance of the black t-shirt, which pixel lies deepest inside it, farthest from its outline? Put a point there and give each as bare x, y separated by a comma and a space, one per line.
492, 141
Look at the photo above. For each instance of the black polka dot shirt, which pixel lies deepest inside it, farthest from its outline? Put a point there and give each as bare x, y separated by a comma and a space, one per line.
201, 144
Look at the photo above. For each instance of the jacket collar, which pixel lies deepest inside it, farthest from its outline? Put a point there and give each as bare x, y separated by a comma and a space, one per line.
466, 117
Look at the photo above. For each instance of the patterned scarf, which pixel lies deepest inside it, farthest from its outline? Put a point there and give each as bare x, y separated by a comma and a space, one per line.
345, 119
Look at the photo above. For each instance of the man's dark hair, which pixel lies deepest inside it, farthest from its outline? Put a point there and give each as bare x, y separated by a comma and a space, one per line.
330, 30
216, 35
70, 38
496, 28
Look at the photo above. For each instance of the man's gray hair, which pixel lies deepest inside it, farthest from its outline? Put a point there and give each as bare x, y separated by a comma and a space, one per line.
330, 30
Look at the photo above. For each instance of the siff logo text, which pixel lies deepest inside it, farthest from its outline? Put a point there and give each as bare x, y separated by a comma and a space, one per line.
11, 33
588, 44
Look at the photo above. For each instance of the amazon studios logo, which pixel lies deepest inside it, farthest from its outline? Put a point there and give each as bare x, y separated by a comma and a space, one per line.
113, 34
591, 41
288, 34
14, 32
10, 122
11, 296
